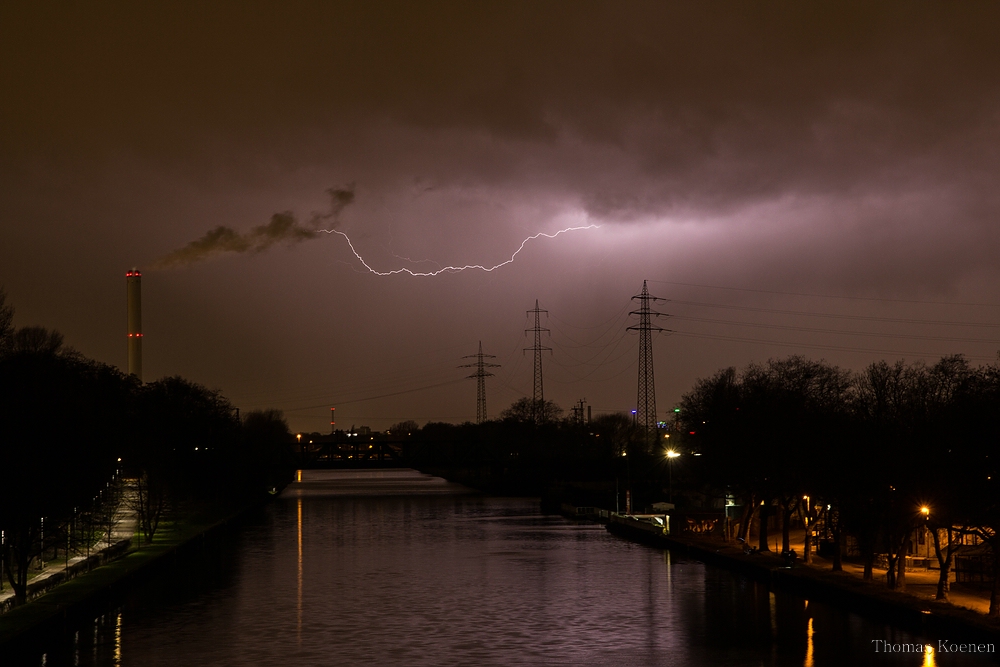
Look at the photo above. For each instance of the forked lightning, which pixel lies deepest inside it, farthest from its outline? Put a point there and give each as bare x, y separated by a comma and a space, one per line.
453, 269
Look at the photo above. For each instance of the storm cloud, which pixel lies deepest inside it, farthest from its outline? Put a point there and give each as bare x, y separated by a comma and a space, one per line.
845, 149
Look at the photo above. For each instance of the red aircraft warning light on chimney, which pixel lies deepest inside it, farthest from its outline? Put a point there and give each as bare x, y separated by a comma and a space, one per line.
133, 288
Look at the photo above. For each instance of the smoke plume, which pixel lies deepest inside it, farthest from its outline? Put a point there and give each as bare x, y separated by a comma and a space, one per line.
283, 227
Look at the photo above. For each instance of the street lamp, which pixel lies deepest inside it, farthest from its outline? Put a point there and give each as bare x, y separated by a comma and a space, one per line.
671, 455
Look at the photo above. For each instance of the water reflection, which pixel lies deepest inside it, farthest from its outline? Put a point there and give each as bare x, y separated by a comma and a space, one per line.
118, 639
298, 605
809, 645
427, 574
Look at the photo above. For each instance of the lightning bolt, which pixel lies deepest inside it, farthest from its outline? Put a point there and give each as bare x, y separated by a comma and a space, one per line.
454, 269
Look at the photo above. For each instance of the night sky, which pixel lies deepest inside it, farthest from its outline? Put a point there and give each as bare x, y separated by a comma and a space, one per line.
816, 178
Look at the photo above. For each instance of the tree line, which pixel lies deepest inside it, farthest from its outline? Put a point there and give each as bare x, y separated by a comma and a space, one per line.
874, 455
82, 445
531, 448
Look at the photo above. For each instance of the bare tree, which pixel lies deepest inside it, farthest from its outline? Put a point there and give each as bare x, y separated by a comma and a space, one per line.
22, 545
110, 509
149, 499
404, 428
38, 340
526, 409
6, 322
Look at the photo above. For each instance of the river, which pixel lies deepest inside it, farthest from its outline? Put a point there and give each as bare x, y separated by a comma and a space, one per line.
392, 567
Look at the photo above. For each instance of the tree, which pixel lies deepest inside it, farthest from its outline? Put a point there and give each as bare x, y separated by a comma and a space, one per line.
911, 423
525, 410
38, 340
618, 433
763, 432
6, 322
711, 417
404, 428
183, 435
149, 499
972, 434
265, 455
68, 412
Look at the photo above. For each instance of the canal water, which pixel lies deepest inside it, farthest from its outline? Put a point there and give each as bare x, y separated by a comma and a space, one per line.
393, 567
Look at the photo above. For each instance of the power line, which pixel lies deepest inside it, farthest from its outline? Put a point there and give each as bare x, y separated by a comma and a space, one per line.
838, 348
596, 326
597, 368
830, 296
873, 334
372, 398
865, 318
613, 344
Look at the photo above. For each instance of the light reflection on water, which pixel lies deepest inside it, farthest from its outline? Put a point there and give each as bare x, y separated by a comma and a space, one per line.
397, 568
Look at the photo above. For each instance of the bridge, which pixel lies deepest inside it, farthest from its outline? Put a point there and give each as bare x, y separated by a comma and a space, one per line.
375, 451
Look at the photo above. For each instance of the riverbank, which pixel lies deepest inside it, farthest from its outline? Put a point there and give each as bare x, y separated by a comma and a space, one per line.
817, 581
846, 589
64, 605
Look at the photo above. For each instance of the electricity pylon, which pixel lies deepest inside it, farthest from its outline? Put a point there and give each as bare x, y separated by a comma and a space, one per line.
538, 395
646, 403
480, 374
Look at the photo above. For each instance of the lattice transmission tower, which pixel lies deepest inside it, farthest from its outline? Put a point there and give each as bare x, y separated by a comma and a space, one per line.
538, 395
480, 374
646, 403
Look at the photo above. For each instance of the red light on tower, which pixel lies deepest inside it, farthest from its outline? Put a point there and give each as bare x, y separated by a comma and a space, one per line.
333, 416
133, 286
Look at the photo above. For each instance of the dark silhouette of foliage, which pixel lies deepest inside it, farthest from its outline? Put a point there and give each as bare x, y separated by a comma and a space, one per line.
404, 428
37, 340
265, 460
6, 322
81, 443
62, 418
526, 409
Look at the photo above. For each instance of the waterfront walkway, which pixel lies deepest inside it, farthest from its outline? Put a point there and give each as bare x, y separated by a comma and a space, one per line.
124, 529
921, 584
27, 623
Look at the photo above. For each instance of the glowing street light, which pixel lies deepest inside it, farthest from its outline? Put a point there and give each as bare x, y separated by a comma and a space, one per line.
671, 455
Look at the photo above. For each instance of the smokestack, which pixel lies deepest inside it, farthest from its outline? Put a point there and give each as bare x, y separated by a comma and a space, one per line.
133, 284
